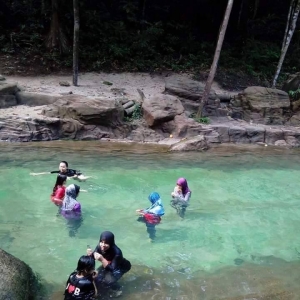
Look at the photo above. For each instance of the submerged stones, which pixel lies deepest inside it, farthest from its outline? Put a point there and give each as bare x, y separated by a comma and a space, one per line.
238, 261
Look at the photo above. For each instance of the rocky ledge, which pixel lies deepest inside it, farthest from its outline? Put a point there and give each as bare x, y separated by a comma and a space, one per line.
257, 115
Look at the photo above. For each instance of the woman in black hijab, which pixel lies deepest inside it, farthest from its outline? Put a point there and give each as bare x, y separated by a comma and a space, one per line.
114, 265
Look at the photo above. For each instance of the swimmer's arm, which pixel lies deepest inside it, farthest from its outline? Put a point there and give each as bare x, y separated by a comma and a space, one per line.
43, 173
141, 212
85, 191
58, 200
80, 177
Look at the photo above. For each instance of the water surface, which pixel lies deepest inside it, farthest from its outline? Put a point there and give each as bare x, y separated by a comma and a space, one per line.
240, 235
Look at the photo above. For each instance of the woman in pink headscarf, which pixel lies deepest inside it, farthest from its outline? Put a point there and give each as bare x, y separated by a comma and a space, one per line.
181, 196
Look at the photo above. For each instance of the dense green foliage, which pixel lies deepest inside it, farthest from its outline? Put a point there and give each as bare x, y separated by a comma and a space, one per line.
150, 35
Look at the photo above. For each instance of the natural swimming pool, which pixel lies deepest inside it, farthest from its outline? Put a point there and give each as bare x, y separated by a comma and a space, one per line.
239, 238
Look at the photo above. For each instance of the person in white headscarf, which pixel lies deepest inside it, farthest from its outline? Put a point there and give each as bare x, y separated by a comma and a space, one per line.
71, 209
70, 203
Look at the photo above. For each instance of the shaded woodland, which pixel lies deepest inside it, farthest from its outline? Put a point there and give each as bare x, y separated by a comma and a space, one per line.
143, 35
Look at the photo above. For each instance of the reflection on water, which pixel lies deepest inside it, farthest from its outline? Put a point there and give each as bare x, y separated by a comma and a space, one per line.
239, 239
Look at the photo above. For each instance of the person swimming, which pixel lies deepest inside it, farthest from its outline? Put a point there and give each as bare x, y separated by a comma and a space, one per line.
151, 216
181, 196
63, 169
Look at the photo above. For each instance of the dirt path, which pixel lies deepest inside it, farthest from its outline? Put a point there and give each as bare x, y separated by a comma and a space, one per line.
92, 84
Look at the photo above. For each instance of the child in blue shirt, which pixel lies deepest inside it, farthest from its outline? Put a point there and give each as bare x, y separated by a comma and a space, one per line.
151, 216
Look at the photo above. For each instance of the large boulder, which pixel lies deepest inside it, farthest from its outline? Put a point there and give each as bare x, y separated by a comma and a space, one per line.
7, 101
196, 143
8, 88
87, 111
262, 105
161, 108
182, 126
143, 134
190, 93
16, 129
186, 88
32, 99
17, 280
292, 83
7, 94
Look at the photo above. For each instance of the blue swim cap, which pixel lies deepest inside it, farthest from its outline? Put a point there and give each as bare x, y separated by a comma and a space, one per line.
153, 197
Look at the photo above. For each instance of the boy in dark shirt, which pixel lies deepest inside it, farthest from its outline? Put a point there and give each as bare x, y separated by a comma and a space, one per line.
80, 284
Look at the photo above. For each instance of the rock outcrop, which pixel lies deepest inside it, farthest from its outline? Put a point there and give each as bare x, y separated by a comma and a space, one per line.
258, 117
190, 93
8, 93
17, 280
161, 108
192, 144
292, 83
86, 111
261, 105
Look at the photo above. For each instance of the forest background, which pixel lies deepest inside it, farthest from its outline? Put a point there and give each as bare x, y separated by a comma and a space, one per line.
36, 37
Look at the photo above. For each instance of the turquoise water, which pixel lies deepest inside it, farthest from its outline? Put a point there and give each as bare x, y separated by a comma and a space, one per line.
244, 214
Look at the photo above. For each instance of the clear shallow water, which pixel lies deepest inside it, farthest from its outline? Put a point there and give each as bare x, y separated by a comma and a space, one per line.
244, 214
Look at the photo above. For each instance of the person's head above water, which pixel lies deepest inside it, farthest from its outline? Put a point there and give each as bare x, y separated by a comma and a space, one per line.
70, 202
63, 166
73, 190
60, 179
106, 241
154, 197
86, 264
156, 204
182, 182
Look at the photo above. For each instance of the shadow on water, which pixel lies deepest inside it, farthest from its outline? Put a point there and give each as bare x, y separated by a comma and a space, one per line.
266, 279
232, 154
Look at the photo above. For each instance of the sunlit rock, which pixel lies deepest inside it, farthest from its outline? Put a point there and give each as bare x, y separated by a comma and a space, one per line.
161, 108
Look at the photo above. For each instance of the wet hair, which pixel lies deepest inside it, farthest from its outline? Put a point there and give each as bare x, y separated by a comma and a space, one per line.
85, 263
60, 179
64, 162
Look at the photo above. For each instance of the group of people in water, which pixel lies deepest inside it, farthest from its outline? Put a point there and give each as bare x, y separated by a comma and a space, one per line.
85, 282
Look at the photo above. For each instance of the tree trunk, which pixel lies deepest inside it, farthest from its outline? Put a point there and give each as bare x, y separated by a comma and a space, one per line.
43, 7
56, 37
240, 14
142, 9
75, 42
288, 25
214, 65
256, 4
292, 20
